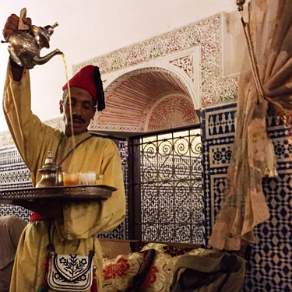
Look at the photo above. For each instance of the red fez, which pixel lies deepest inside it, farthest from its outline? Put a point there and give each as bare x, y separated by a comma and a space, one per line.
88, 78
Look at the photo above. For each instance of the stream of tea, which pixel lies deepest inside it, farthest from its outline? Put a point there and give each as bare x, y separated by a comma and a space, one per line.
70, 102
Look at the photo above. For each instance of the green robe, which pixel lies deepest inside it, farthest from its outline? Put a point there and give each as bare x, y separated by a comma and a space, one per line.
75, 232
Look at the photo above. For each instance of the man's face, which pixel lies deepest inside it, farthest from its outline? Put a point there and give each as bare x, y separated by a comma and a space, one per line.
83, 110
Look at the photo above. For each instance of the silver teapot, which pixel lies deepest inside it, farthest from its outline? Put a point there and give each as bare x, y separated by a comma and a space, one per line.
25, 44
51, 173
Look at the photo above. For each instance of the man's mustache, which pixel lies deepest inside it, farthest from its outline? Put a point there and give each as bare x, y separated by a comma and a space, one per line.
78, 119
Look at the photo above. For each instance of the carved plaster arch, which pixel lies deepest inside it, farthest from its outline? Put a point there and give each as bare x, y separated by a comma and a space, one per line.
130, 97
171, 111
189, 76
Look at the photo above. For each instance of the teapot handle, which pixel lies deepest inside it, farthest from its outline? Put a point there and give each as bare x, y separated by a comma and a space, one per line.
21, 24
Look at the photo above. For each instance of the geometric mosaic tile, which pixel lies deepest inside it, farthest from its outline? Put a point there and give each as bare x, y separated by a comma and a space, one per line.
269, 264
13, 174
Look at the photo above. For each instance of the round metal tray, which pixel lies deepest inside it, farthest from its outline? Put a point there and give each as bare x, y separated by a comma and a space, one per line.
60, 193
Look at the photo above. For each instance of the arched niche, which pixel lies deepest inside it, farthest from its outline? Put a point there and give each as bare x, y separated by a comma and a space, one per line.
144, 100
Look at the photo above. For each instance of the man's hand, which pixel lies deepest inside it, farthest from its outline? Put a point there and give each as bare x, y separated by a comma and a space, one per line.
11, 25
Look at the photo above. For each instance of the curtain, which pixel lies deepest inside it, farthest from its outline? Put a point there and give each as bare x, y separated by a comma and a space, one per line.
265, 81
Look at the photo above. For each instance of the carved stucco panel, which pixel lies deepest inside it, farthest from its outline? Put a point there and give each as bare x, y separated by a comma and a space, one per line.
206, 34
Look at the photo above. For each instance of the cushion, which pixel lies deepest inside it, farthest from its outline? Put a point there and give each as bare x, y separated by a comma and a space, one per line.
118, 273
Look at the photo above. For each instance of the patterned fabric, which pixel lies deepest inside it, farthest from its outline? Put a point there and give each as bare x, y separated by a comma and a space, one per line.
118, 273
70, 272
160, 273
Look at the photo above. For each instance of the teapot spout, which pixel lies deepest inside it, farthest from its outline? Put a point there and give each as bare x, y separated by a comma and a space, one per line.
42, 60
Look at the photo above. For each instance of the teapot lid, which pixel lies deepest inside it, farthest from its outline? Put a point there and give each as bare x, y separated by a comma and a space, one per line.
49, 165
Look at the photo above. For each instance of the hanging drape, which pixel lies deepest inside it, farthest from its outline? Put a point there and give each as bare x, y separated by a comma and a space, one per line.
266, 81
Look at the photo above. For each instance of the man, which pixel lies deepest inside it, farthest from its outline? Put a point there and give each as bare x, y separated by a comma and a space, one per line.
74, 225
10, 230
